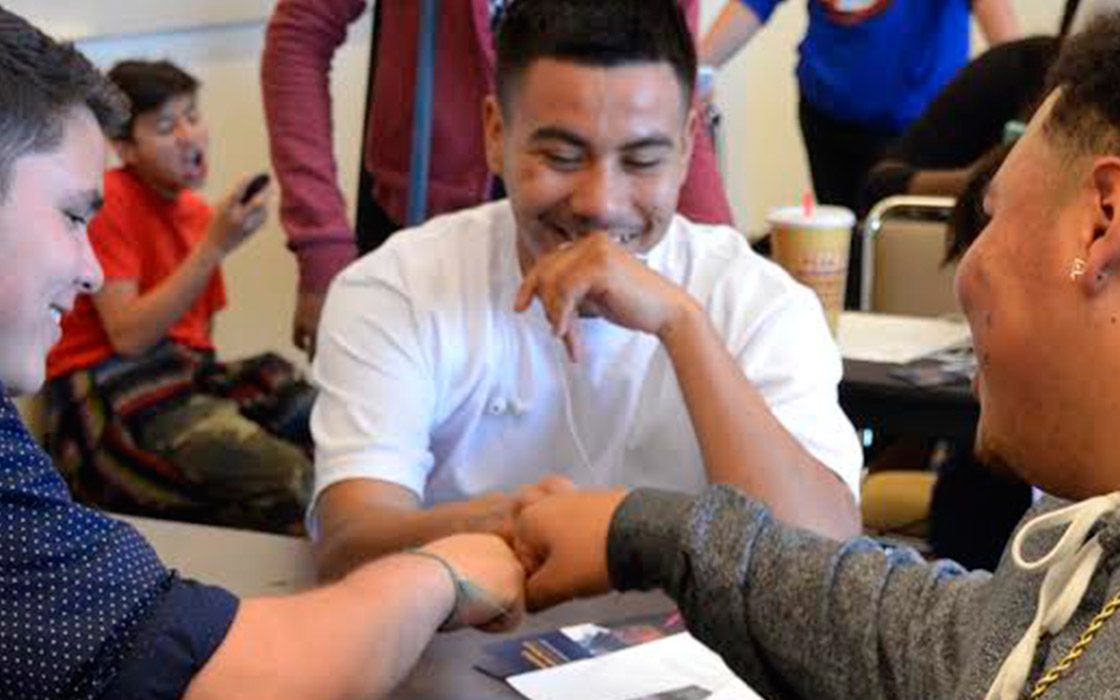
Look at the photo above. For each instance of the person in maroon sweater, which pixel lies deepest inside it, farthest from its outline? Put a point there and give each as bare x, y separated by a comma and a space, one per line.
302, 38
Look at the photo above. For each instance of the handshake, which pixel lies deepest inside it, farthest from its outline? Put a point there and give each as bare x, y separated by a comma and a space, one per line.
541, 547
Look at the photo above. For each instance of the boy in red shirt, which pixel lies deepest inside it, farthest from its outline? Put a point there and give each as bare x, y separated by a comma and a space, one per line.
136, 423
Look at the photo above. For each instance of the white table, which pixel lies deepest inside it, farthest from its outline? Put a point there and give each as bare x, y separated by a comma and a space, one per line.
247, 563
890, 339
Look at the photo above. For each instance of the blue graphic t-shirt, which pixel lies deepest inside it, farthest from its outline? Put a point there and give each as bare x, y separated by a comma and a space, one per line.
878, 63
86, 608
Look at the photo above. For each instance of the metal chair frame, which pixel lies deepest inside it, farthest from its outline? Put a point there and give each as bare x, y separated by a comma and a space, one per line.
910, 207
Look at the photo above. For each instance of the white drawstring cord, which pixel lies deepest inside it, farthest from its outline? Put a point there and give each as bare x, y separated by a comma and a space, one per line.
1069, 567
569, 415
559, 359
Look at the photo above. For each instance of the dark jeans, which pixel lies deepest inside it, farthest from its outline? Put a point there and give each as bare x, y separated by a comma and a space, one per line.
840, 156
373, 226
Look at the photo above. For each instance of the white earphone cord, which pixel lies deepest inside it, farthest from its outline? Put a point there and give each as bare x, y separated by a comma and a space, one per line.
569, 416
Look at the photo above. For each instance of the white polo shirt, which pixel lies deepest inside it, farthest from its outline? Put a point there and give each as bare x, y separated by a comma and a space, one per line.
428, 379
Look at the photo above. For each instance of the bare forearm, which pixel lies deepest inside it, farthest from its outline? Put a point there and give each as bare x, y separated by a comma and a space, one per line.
743, 444
998, 21
733, 28
354, 538
141, 323
354, 639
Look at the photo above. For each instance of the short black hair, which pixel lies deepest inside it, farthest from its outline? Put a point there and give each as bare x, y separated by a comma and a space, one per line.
41, 82
149, 85
603, 33
1086, 116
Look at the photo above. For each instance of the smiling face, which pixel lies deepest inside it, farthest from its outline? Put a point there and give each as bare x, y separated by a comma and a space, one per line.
168, 146
1046, 340
584, 149
48, 259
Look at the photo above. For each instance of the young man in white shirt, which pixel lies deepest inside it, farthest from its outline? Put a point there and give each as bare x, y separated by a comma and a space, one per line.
580, 329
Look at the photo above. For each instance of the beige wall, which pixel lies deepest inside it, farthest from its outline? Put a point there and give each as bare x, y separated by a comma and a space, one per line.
766, 166
756, 91
261, 275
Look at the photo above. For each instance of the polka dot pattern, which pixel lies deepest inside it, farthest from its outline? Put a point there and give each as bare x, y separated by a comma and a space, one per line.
74, 584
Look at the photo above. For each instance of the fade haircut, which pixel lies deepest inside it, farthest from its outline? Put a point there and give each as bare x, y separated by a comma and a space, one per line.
41, 83
149, 85
600, 33
1085, 119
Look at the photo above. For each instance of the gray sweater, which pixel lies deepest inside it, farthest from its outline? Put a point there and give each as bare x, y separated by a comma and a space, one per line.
800, 616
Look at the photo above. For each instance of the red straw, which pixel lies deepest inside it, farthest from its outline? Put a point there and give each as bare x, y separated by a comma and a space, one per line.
808, 204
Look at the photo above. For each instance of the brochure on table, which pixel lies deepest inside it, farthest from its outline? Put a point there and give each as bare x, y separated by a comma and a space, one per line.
673, 668
560, 646
649, 657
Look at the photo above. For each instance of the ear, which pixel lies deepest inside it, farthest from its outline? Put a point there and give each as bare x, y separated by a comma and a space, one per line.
126, 151
1103, 262
493, 128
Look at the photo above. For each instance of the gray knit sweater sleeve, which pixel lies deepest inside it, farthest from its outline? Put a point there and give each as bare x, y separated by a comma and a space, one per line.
795, 614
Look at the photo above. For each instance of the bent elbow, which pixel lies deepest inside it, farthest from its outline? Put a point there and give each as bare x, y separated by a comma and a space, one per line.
128, 344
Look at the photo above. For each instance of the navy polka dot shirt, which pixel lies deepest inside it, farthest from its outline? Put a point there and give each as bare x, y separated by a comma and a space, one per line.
86, 608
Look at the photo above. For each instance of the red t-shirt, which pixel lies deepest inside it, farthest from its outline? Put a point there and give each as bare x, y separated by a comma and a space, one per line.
141, 236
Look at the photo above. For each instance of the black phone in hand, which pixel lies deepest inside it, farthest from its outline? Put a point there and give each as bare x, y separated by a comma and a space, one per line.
255, 185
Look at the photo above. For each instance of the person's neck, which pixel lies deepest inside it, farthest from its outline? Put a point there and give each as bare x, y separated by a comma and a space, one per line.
169, 194
1090, 467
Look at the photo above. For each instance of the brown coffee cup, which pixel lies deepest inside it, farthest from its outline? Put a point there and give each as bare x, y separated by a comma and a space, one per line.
813, 247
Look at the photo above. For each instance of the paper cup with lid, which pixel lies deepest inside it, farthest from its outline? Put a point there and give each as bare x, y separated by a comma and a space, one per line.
812, 244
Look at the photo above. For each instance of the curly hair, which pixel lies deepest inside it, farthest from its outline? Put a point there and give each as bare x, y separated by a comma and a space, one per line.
42, 81
1086, 115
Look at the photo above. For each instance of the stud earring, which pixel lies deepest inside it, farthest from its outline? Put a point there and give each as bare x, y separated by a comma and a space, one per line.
1077, 269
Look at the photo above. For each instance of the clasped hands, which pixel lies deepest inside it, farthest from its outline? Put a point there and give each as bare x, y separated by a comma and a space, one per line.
550, 547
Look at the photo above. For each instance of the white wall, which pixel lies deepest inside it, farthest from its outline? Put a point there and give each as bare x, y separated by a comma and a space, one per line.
79, 19
766, 166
